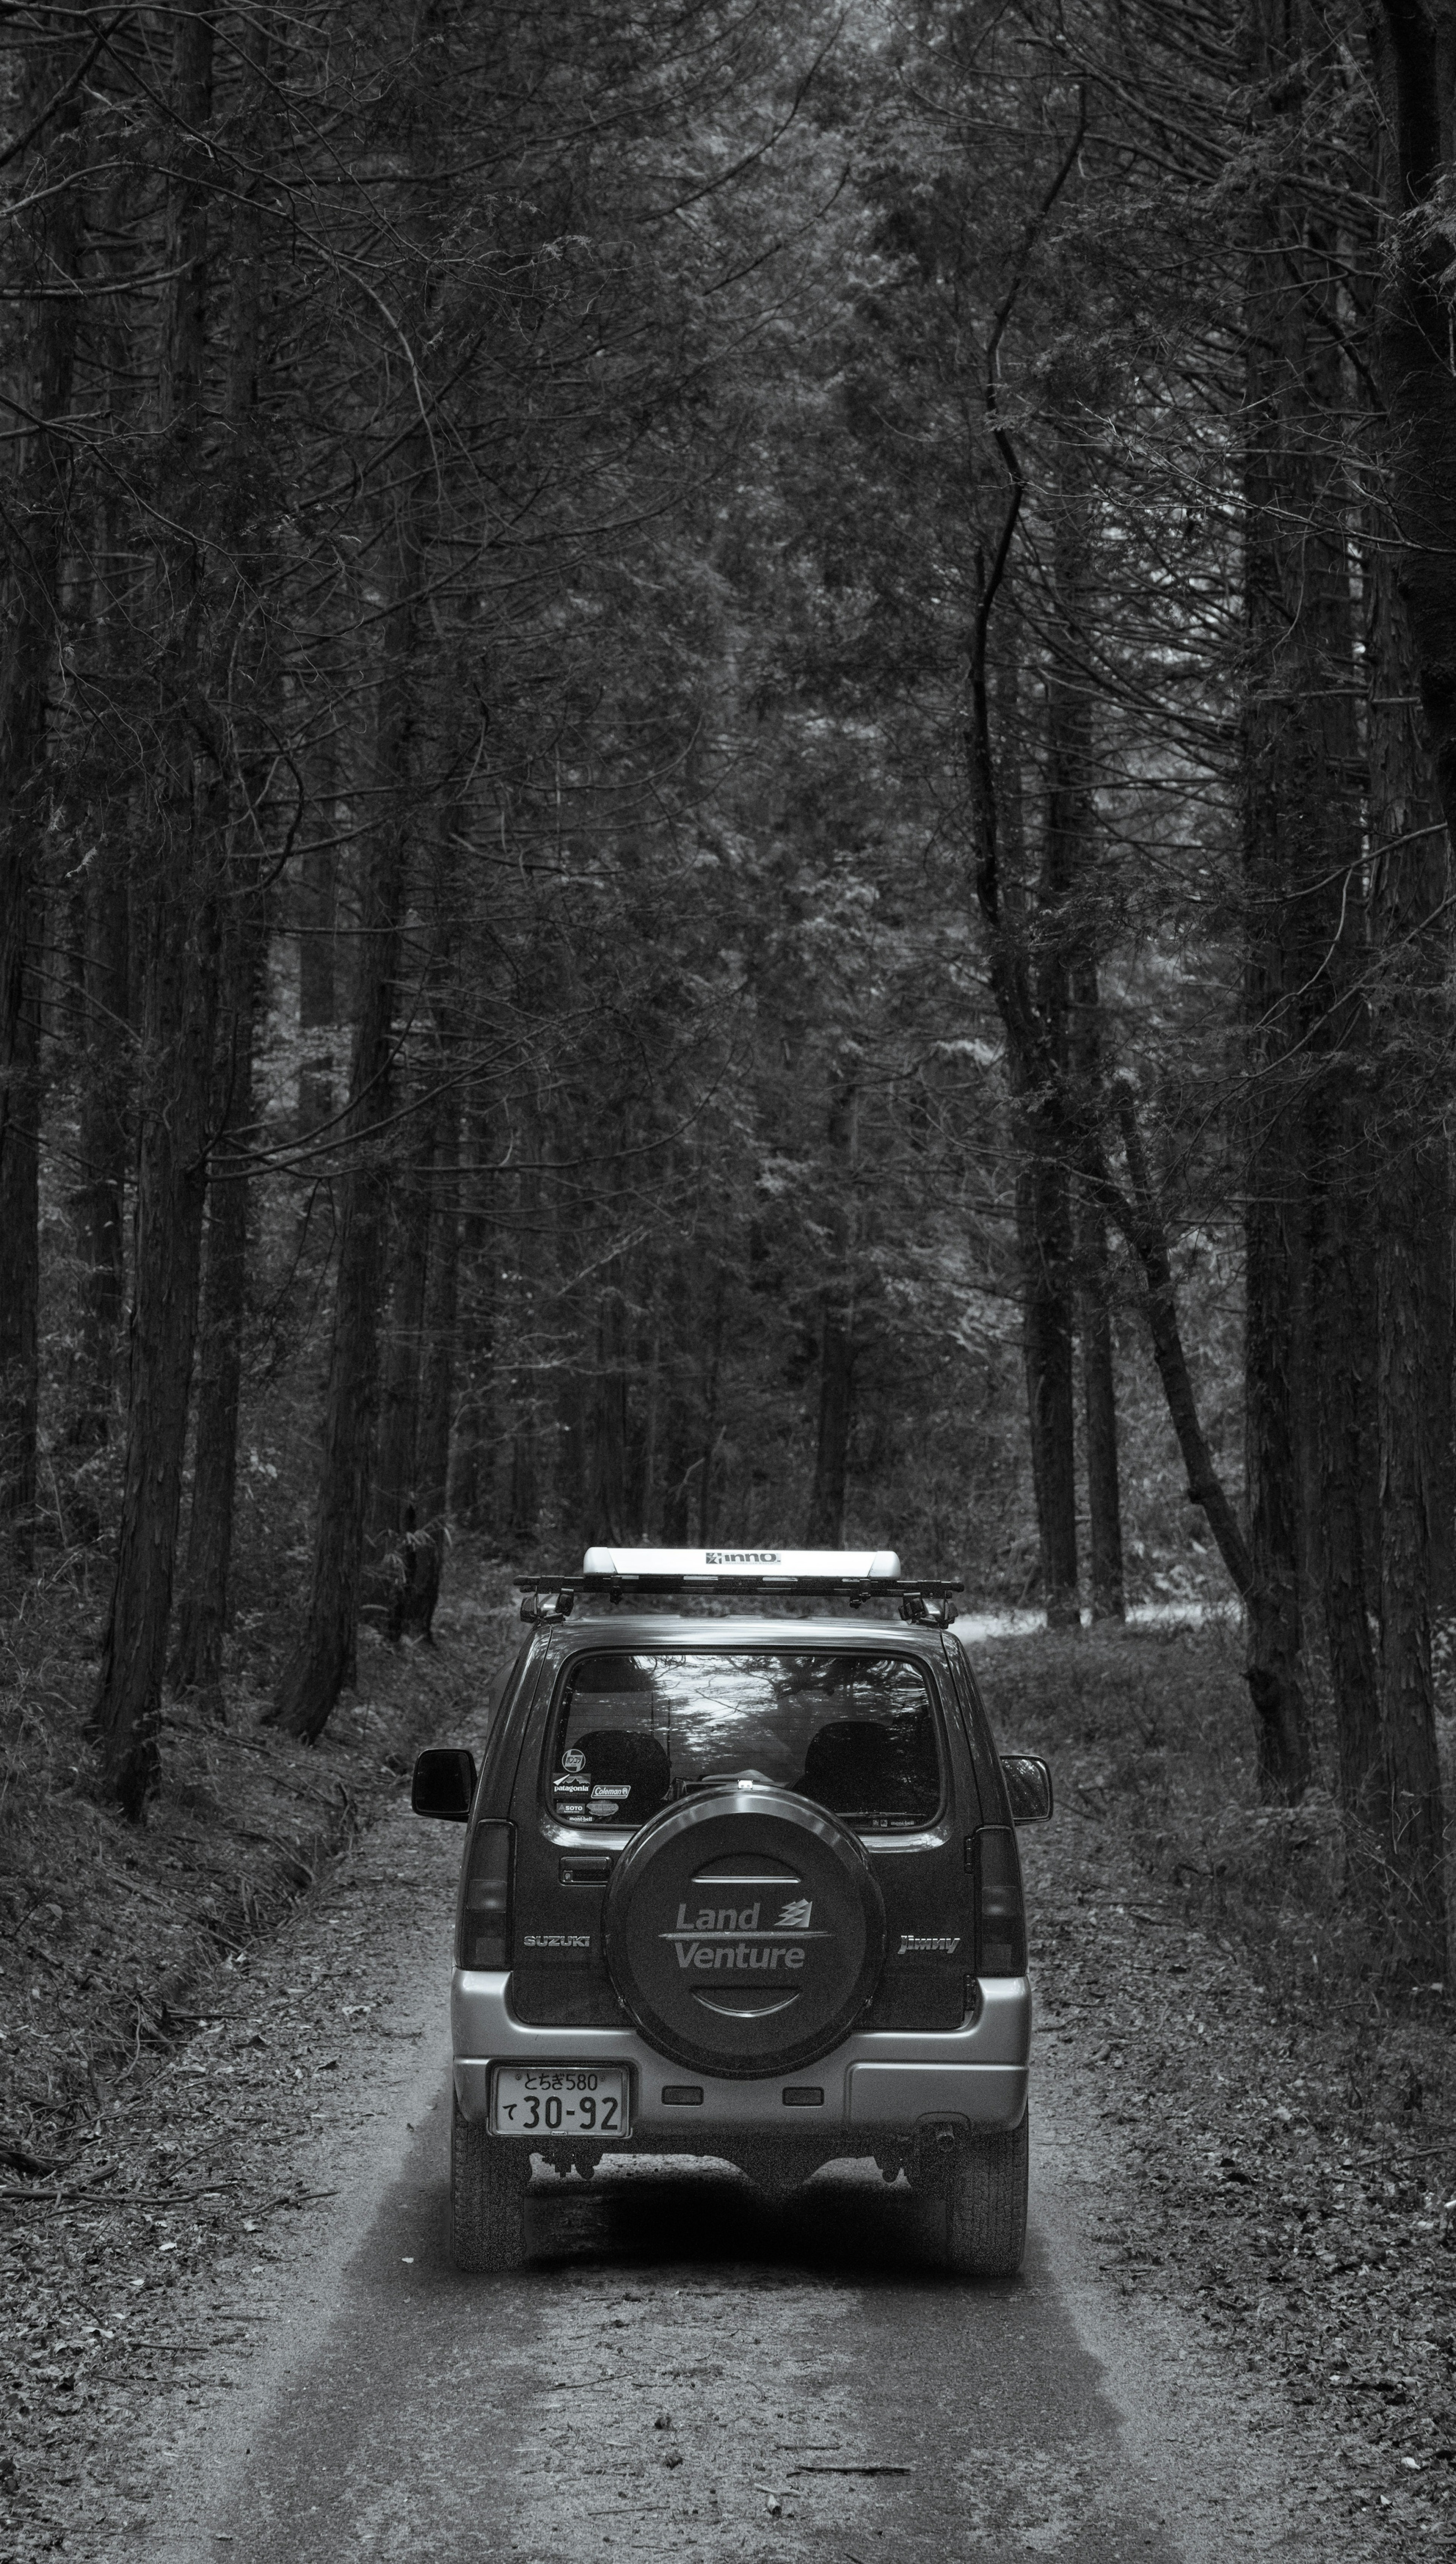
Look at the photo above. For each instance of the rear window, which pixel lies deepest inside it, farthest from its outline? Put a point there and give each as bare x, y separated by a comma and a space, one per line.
854, 1732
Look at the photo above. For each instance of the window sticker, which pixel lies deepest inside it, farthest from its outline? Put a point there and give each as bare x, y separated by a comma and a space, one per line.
853, 1728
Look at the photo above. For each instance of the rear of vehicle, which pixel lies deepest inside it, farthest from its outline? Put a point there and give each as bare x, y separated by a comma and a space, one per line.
744, 1887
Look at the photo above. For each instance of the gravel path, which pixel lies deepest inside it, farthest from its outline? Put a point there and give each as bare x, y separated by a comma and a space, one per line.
290, 2368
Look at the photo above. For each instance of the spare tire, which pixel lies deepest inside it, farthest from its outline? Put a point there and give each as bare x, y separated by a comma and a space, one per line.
745, 1929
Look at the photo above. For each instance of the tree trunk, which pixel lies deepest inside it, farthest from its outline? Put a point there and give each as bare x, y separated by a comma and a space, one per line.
1318, 751
1075, 1016
824, 1525
1045, 1235
1136, 1215
824, 1528
432, 1474
44, 246
1285, 785
473, 1450
1410, 887
1414, 46
605, 1409
1414, 51
1271, 1470
181, 930
650, 1471
1100, 1412
177, 1042
389, 1558
318, 902
202, 1618
99, 1199
522, 1327
1033, 1019
712, 1390
1071, 1015
20, 1230
316, 1674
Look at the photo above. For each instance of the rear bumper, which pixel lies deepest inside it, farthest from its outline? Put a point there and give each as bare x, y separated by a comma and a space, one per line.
876, 2083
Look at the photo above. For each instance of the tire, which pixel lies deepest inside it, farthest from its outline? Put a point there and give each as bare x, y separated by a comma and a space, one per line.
986, 2205
745, 1929
489, 2180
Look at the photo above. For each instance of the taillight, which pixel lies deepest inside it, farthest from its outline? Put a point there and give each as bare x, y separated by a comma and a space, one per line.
485, 1906
1000, 1915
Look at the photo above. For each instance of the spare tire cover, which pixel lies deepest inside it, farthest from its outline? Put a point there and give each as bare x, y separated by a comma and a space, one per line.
745, 1929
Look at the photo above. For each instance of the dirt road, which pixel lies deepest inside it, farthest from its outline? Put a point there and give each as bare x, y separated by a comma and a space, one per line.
685, 2369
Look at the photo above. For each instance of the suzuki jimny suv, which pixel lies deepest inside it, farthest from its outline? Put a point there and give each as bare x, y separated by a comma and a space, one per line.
743, 1886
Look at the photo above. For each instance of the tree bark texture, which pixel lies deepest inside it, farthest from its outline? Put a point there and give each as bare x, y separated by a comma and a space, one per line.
473, 1452
834, 1423
100, 1200
1068, 910
202, 1617
1048, 1356
316, 1674
20, 1266
1411, 1034
45, 248
1416, 52
524, 1326
1416, 47
1318, 755
388, 1555
824, 1528
1289, 785
605, 1409
1033, 1009
1100, 1419
1137, 1216
317, 935
180, 887
432, 1467
1077, 903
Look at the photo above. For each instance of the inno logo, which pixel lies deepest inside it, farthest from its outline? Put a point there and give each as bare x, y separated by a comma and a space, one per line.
744, 1557
795, 1916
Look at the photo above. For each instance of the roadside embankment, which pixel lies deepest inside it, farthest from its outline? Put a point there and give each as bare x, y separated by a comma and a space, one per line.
121, 1963
1284, 2114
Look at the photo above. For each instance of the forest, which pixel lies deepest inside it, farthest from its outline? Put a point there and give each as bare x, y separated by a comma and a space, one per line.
726, 741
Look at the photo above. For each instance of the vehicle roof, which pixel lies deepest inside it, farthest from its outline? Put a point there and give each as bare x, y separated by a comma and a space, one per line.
646, 1630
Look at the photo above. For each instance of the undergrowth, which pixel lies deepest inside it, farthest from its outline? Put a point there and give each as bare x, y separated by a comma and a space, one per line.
1149, 1734
106, 1924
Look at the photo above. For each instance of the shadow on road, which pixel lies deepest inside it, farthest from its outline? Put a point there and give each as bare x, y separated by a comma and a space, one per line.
699, 2215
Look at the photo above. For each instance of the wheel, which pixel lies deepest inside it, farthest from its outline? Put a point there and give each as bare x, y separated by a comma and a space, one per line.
986, 2205
745, 1929
489, 2180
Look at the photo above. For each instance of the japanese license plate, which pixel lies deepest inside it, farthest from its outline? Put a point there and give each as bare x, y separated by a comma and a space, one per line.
559, 2100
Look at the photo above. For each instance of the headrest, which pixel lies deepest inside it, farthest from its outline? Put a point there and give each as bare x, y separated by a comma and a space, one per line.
628, 1754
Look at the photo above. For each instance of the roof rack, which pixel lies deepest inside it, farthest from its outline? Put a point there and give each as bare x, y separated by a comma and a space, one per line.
850, 1576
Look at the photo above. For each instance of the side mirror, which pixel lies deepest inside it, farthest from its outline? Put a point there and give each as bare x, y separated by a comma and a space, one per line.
444, 1783
1028, 1787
